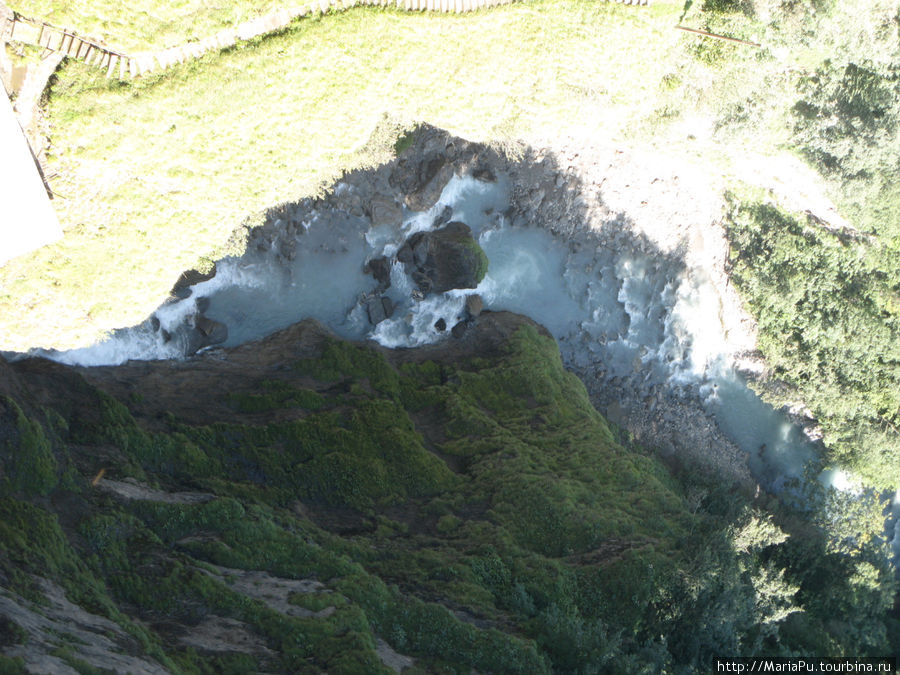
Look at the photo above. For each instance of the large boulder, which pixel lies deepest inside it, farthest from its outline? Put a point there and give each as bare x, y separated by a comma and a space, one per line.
474, 305
380, 268
443, 259
379, 309
204, 332
433, 176
384, 211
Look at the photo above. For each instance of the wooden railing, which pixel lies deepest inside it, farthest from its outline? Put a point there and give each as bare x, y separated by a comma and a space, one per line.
23, 29
121, 65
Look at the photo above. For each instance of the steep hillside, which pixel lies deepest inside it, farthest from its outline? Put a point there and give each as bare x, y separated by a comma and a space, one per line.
454, 503
303, 504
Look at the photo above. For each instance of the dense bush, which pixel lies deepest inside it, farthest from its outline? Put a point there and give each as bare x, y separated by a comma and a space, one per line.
830, 327
847, 122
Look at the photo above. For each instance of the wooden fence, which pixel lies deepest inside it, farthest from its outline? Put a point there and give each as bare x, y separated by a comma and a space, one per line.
68, 42
118, 64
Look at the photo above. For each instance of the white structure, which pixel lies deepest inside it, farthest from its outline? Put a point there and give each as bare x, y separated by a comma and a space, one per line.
27, 219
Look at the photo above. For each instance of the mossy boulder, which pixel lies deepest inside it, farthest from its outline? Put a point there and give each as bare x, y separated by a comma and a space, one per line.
444, 259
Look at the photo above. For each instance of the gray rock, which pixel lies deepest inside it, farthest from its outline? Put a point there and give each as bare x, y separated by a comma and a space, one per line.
207, 326
459, 329
287, 247
379, 309
474, 305
405, 254
422, 280
420, 252
440, 325
89, 638
484, 174
380, 268
384, 211
182, 288
443, 218
434, 174
204, 333
444, 259
375, 311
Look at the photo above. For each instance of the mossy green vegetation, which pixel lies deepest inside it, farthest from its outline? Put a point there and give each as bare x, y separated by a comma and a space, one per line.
471, 511
12, 666
29, 466
276, 394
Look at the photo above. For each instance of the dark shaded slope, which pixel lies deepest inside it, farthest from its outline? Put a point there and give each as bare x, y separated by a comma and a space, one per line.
442, 500
306, 504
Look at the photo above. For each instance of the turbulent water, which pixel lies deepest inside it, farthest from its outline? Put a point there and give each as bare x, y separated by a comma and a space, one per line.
615, 313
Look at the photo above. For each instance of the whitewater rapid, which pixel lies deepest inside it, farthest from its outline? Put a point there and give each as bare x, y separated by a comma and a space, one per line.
615, 313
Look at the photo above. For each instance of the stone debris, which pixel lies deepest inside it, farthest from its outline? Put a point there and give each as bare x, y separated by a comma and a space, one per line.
58, 623
131, 489
273, 591
396, 662
222, 635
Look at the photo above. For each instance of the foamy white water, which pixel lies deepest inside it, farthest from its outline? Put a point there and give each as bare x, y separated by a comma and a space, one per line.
615, 313
619, 312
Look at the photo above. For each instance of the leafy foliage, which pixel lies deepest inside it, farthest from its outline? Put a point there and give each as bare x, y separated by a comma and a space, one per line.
829, 326
26, 457
847, 121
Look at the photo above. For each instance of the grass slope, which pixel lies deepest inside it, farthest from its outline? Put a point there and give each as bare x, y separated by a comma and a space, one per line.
146, 25
176, 161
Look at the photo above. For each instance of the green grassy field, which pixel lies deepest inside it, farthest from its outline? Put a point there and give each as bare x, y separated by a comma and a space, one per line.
146, 25
174, 162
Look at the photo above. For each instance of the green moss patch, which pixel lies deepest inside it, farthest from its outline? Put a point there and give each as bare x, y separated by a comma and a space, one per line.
472, 510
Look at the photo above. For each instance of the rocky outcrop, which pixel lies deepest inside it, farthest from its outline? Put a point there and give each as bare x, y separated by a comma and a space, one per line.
433, 177
384, 211
182, 288
444, 259
196, 332
204, 333
378, 309
380, 269
50, 635
474, 305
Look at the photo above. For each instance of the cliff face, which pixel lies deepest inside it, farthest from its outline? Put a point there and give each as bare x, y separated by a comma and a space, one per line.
306, 504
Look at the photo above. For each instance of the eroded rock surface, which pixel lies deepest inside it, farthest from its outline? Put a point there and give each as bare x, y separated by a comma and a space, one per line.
60, 625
